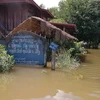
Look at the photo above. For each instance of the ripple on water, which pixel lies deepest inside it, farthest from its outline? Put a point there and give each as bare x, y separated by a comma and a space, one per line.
60, 95
95, 94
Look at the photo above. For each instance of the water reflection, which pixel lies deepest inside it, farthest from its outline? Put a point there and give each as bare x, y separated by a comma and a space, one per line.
5, 79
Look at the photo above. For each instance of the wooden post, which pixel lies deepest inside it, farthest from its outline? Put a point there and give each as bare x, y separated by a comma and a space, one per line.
53, 60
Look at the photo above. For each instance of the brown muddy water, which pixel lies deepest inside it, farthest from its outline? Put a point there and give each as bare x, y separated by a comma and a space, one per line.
28, 83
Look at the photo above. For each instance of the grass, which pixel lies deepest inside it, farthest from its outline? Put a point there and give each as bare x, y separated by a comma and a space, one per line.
65, 61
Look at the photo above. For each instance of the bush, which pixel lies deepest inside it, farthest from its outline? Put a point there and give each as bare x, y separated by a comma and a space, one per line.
6, 61
78, 49
75, 49
66, 61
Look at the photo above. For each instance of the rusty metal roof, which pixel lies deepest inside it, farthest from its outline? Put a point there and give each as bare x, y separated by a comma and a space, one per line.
71, 28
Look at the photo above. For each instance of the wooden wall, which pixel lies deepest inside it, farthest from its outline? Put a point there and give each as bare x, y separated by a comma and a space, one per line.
2, 15
12, 15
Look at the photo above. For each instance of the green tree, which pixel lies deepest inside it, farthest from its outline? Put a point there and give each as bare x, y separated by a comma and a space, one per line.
6, 61
54, 11
58, 20
57, 17
86, 15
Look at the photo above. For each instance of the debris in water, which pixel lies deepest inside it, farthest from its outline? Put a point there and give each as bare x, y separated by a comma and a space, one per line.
44, 71
80, 76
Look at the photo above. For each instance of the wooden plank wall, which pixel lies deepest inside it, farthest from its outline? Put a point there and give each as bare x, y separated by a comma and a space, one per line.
16, 14
12, 15
2, 15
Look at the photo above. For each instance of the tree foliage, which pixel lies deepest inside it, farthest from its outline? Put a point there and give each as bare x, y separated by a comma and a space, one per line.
85, 14
6, 61
54, 11
58, 20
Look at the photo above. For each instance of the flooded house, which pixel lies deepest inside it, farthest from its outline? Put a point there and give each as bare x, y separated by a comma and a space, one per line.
28, 41
13, 12
25, 26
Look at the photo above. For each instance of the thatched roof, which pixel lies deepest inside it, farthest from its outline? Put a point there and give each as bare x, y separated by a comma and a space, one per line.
41, 27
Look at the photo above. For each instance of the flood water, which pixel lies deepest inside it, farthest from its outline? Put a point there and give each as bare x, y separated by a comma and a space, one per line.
28, 83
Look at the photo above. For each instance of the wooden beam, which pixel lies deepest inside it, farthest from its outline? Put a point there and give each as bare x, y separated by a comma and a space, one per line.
53, 60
